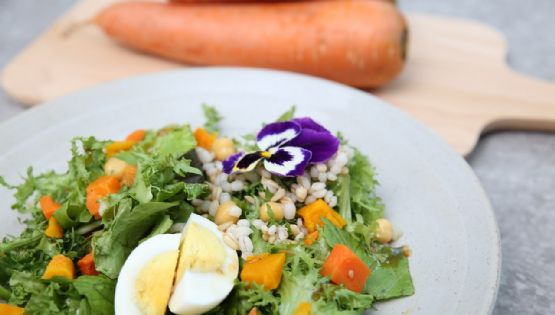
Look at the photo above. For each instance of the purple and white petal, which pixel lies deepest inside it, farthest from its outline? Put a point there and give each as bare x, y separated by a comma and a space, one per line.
308, 123
288, 161
276, 134
323, 145
230, 162
241, 162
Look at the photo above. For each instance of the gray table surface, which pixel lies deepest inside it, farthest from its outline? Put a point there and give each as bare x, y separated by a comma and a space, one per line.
517, 169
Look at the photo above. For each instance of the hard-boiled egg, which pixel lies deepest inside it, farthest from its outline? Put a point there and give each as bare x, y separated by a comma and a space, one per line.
206, 269
146, 279
191, 273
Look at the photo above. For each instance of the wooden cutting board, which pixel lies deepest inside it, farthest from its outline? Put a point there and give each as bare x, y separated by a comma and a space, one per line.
456, 80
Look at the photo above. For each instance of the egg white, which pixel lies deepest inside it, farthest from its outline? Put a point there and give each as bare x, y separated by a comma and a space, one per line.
125, 301
197, 292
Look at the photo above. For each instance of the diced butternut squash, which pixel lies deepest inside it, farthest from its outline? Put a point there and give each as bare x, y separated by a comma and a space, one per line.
313, 213
204, 138
86, 265
304, 308
119, 146
7, 309
264, 269
59, 266
48, 206
128, 177
54, 229
136, 135
311, 238
343, 266
100, 188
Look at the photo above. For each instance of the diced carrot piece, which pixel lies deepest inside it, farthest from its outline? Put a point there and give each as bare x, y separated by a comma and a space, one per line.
54, 229
204, 138
48, 206
86, 265
128, 177
7, 309
264, 269
119, 146
59, 266
343, 266
100, 188
311, 238
313, 213
136, 135
304, 308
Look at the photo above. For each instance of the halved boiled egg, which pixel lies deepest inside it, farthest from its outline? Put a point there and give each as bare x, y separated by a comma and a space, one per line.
145, 282
191, 273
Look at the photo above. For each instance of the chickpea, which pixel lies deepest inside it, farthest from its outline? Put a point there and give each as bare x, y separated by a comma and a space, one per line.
277, 210
384, 233
223, 148
115, 167
407, 252
227, 212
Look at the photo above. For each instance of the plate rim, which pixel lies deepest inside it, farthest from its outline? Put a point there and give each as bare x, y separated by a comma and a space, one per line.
64, 105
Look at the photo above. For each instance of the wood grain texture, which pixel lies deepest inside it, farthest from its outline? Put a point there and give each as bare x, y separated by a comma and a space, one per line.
456, 80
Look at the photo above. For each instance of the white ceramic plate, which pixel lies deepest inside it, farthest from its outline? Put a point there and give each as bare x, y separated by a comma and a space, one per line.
430, 192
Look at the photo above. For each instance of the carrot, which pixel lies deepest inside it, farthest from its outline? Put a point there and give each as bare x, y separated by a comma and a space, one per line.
100, 188
357, 42
48, 206
344, 267
136, 135
86, 265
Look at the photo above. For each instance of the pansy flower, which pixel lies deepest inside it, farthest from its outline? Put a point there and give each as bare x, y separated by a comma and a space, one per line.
286, 148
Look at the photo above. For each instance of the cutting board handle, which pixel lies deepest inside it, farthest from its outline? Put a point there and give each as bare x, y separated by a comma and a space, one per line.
522, 103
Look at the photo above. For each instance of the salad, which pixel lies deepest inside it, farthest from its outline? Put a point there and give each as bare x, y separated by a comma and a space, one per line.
174, 221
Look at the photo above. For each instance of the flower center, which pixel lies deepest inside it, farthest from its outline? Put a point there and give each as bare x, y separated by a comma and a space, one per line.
266, 154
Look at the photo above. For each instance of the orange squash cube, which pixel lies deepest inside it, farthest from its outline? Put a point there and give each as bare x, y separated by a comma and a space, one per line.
86, 265
7, 309
204, 138
264, 269
343, 266
313, 213
54, 229
48, 206
304, 308
118, 146
100, 188
59, 266
136, 135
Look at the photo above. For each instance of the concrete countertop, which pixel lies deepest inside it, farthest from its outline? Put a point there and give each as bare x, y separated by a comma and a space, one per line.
517, 169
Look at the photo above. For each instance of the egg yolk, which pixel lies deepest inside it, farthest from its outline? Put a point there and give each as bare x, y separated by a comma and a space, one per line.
201, 250
154, 282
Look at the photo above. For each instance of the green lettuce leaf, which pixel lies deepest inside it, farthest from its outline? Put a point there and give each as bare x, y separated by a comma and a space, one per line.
391, 280
175, 142
212, 117
288, 115
112, 246
99, 292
